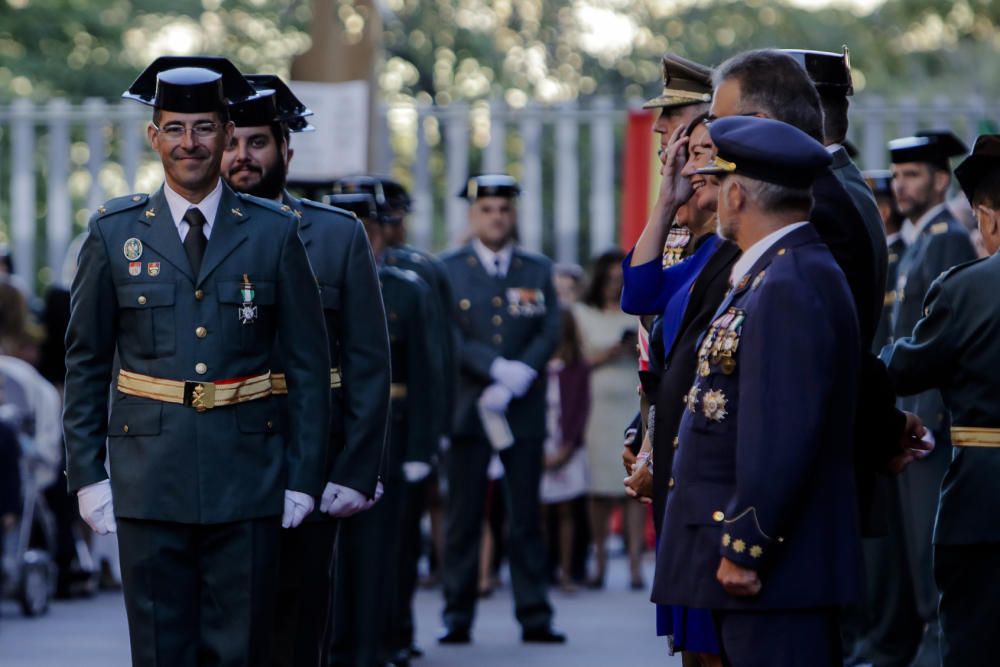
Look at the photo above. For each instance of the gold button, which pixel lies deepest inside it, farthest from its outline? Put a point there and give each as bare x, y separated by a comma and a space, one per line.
670, 484
200, 368
497, 320
718, 516
677, 442
497, 302
201, 332
497, 338
141, 300
125, 428
269, 424
199, 294
465, 304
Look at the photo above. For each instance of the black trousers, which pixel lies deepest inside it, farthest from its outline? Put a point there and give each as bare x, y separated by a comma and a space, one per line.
199, 595
466, 463
790, 638
969, 579
365, 581
413, 503
305, 595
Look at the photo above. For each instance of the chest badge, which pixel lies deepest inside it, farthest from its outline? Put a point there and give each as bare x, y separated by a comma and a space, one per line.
134, 268
133, 249
713, 405
248, 309
153, 269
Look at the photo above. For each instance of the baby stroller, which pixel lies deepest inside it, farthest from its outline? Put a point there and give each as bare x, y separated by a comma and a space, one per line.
29, 572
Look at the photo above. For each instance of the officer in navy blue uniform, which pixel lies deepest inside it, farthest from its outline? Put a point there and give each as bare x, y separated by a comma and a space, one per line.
371, 552
256, 162
761, 525
185, 293
507, 323
936, 241
421, 479
953, 349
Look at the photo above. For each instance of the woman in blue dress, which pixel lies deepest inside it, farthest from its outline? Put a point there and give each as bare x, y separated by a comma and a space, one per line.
684, 296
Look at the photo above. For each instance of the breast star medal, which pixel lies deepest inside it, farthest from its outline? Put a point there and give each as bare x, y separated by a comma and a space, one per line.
713, 405
248, 309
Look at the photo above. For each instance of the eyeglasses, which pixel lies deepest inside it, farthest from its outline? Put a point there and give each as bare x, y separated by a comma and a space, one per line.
711, 119
176, 131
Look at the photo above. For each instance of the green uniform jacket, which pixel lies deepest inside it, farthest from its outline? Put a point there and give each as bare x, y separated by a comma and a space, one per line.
942, 244
345, 269
515, 317
168, 461
407, 300
955, 348
883, 335
439, 331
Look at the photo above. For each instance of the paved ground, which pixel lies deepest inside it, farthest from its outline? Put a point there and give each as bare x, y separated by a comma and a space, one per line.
610, 627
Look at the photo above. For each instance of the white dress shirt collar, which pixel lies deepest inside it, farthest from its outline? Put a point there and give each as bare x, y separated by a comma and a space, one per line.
892, 238
208, 206
496, 263
757, 250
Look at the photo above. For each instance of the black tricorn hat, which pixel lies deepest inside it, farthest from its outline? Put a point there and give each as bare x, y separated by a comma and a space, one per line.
685, 82
829, 72
984, 159
390, 195
931, 146
360, 204
879, 180
490, 185
190, 84
283, 107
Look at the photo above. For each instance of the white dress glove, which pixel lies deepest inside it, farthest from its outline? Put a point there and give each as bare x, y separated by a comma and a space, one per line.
342, 501
414, 471
97, 508
496, 398
515, 375
298, 505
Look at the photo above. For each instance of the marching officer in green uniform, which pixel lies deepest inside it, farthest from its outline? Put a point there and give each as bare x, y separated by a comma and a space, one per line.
952, 349
394, 203
185, 293
256, 162
371, 551
507, 319
936, 241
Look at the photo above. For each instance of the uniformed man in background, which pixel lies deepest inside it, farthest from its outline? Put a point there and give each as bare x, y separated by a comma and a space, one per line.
371, 552
952, 349
687, 90
420, 479
880, 182
256, 161
936, 242
187, 292
507, 321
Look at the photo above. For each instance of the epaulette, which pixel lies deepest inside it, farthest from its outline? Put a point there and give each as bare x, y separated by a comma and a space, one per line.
404, 275
939, 228
121, 204
263, 203
326, 208
945, 275
408, 253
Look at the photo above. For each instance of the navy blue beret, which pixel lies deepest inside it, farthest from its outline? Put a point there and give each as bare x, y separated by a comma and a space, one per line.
766, 150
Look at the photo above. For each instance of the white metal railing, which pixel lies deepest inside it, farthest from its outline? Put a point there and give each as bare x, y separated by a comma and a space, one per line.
567, 158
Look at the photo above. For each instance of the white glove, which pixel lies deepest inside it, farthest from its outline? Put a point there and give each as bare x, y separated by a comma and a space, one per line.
515, 375
414, 471
298, 505
342, 501
97, 508
496, 398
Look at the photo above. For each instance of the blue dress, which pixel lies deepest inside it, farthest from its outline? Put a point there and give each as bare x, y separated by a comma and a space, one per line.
651, 289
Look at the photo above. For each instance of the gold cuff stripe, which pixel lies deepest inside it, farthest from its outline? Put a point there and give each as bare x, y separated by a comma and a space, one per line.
279, 383
971, 436
397, 390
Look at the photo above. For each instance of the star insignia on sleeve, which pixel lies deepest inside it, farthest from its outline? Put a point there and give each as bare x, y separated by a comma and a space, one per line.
739, 546
726, 539
756, 551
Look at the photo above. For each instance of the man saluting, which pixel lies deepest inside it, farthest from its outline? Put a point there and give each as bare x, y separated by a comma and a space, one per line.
192, 300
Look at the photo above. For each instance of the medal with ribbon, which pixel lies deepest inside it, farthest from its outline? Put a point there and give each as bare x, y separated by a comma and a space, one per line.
248, 309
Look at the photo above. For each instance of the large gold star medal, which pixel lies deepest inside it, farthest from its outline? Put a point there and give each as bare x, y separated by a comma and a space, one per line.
713, 405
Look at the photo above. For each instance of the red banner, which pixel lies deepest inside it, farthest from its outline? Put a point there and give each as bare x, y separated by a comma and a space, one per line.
637, 175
